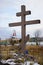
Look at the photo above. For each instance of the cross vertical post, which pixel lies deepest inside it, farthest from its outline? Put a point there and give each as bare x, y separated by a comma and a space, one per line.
23, 32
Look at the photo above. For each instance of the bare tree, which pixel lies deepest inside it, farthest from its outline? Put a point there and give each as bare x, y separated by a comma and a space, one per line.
37, 36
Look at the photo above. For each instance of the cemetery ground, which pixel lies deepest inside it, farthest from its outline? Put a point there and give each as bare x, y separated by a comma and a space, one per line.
8, 51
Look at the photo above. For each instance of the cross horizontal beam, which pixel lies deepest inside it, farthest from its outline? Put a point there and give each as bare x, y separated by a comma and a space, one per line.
15, 24
32, 22
24, 13
26, 23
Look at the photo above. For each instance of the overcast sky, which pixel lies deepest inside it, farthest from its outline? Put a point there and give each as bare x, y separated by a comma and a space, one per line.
9, 8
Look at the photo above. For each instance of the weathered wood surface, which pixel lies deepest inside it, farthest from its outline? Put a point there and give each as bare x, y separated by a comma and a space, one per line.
23, 23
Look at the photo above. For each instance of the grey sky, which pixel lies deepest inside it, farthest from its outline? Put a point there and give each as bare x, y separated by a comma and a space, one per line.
9, 8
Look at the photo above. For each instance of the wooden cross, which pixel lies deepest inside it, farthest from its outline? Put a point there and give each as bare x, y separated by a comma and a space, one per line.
23, 23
